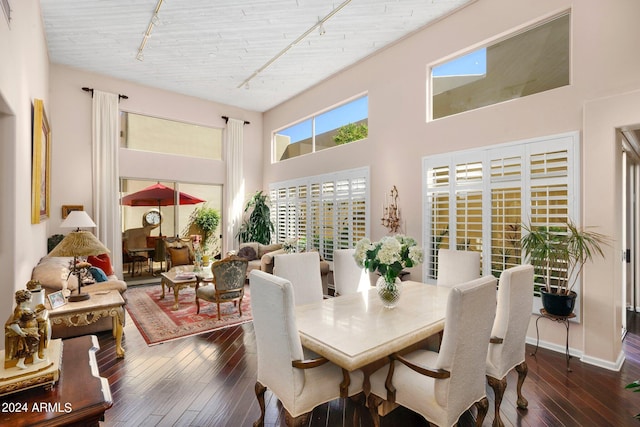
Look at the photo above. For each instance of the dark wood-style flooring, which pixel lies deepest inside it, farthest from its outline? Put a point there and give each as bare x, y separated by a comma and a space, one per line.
208, 380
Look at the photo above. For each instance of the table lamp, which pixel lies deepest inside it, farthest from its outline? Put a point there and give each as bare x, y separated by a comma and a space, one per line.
78, 243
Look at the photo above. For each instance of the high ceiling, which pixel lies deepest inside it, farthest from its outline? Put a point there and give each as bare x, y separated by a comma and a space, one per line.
208, 48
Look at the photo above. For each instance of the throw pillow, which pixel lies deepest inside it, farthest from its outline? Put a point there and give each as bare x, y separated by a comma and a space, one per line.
179, 256
103, 262
248, 253
98, 274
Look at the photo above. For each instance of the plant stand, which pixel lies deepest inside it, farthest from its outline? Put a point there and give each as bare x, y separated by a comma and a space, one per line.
560, 319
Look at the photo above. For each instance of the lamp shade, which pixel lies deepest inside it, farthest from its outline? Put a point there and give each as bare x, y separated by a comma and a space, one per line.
79, 243
77, 219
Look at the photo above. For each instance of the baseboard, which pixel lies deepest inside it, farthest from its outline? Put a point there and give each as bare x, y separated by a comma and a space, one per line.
601, 363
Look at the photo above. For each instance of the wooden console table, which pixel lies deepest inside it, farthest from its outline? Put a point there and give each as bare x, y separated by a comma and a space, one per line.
80, 397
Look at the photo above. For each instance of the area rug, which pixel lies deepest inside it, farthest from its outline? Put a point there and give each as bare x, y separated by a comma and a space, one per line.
158, 323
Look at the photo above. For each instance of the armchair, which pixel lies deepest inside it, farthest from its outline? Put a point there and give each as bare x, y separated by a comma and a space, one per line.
441, 386
455, 267
299, 384
229, 276
507, 345
348, 276
303, 271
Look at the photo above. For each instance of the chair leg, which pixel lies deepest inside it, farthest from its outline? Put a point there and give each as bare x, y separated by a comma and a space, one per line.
197, 305
299, 421
522, 370
219, 314
240, 306
483, 407
498, 386
260, 389
374, 402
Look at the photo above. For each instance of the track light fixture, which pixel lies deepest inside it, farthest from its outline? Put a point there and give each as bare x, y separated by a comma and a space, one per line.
318, 25
155, 20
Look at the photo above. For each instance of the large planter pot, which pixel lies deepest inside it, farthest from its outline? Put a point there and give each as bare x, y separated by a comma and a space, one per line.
558, 304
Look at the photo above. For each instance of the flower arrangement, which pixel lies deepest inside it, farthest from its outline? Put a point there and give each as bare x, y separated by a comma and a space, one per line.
388, 256
290, 245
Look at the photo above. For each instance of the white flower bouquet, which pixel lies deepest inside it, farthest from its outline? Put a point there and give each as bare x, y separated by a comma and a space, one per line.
388, 256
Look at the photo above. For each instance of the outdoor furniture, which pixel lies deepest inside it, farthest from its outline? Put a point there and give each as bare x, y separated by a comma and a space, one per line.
229, 276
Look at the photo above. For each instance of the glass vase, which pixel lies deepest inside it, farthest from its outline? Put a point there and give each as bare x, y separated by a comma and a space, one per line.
389, 293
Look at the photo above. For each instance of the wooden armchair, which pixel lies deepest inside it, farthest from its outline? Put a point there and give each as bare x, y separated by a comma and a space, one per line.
229, 276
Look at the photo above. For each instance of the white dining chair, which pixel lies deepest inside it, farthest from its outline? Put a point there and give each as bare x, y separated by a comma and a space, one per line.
507, 345
300, 384
348, 276
303, 271
455, 267
441, 386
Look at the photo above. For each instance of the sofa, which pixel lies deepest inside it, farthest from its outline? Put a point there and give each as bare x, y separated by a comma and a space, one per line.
265, 256
254, 252
51, 271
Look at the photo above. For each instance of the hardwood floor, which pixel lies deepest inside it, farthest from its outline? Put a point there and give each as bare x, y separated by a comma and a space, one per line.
208, 380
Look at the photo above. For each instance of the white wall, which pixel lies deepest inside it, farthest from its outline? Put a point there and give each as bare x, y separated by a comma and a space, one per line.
604, 63
24, 72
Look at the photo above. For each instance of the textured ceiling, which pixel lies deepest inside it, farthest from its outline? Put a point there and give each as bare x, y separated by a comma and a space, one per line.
208, 48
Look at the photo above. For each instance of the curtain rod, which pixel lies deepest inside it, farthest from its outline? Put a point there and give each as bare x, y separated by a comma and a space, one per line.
88, 89
226, 120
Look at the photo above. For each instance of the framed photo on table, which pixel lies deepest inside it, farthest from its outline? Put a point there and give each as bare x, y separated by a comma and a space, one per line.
56, 299
40, 164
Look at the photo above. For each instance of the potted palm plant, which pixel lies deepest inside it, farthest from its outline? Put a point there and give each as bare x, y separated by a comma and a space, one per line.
559, 255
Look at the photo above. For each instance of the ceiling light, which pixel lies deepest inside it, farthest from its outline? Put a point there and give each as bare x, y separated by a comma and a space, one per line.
295, 42
155, 20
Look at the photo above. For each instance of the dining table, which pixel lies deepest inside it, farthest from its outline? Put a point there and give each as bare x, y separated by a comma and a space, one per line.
356, 330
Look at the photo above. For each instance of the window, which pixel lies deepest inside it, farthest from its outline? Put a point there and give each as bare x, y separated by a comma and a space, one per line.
170, 137
324, 212
478, 200
529, 62
341, 125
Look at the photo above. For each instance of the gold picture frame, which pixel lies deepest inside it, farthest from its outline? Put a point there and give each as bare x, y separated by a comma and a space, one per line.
40, 164
66, 209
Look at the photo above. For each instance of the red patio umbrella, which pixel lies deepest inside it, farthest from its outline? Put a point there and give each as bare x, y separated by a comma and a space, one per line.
159, 195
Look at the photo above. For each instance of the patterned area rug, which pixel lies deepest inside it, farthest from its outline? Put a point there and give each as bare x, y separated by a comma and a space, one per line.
157, 322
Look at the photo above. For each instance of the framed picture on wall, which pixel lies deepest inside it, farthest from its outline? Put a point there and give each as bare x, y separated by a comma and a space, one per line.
66, 209
40, 164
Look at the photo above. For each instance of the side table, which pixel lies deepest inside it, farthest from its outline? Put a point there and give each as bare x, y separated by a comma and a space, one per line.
80, 398
560, 319
82, 313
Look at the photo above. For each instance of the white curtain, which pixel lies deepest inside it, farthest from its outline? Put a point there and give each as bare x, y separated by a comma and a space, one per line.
235, 182
105, 174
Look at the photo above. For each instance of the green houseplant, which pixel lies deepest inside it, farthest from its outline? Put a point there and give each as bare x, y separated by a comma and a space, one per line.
559, 255
258, 226
207, 220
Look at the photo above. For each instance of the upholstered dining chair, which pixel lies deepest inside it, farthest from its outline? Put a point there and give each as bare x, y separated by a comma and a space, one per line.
303, 271
441, 386
507, 345
299, 384
455, 267
348, 276
229, 276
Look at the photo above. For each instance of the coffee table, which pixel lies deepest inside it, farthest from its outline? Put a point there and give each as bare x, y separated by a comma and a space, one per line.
83, 313
171, 279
